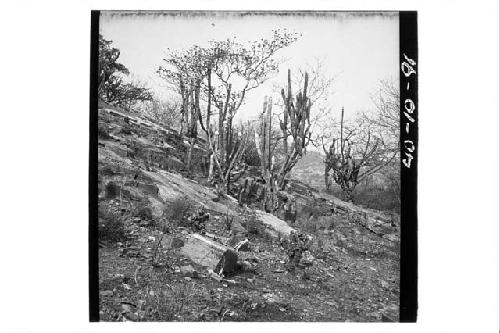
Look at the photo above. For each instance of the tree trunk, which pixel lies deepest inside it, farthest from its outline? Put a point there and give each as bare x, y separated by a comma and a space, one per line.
192, 143
327, 176
211, 168
183, 106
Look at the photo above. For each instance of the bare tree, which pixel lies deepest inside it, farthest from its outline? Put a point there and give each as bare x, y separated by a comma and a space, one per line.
385, 117
222, 74
358, 153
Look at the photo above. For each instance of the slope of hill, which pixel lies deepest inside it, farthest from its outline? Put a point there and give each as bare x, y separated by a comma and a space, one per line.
310, 170
154, 223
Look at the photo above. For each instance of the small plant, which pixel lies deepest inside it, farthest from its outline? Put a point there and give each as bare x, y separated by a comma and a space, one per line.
254, 227
178, 209
197, 220
156, 257
295, 246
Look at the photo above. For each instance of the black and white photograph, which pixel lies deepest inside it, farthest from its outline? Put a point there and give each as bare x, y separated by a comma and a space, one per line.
249, 166
270, 166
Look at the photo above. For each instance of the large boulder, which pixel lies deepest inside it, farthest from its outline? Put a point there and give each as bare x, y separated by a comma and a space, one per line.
211, 255
277, 225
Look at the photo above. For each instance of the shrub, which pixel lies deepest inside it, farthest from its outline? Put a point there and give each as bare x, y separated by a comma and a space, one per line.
295, 246
102, 133
177, 210
112, 190
252, 226
196, 220
145, 213
111, 227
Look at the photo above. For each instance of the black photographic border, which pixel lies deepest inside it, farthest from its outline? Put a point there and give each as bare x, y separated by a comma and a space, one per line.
408, 91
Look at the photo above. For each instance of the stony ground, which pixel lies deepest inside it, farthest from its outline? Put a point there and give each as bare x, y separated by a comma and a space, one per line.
352, 275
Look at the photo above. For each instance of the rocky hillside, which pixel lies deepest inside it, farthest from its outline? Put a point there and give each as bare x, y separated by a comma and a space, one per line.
172, 249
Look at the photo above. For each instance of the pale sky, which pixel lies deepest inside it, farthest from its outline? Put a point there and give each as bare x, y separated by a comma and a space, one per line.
357, 49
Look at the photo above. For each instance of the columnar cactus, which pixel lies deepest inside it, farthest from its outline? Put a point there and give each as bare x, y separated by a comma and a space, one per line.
263, 144
190, 95
295, 123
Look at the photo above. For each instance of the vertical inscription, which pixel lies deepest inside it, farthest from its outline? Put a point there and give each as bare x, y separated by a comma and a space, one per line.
408, 67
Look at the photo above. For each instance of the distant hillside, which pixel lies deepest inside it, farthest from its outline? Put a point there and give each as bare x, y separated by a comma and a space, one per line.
310, 170
375, 191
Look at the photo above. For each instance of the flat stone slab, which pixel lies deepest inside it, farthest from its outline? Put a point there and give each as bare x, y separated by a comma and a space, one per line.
210, 254
276, 224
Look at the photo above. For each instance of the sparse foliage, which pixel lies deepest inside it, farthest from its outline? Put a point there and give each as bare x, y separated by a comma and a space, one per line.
221, 75
164, 112
385, 117
295, 246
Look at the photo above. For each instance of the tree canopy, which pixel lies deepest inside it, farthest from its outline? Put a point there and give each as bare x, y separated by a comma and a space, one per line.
113, 86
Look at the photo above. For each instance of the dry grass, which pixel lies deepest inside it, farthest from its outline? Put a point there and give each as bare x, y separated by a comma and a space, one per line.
167, 304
